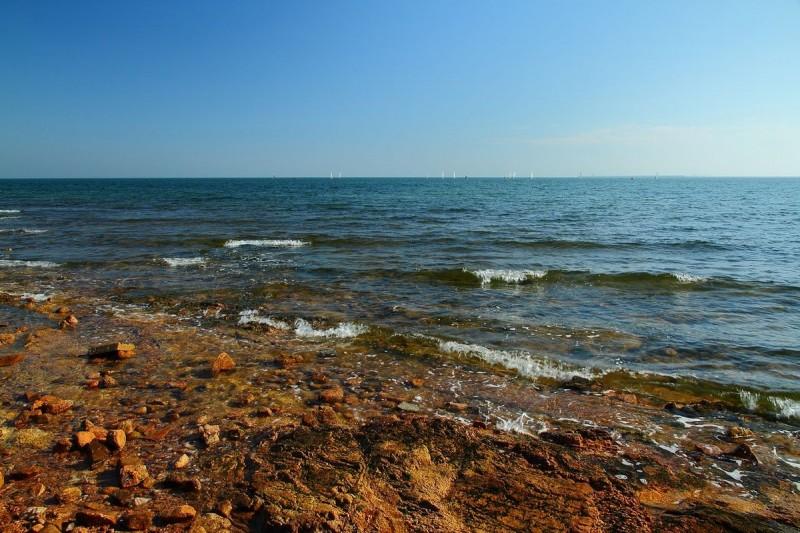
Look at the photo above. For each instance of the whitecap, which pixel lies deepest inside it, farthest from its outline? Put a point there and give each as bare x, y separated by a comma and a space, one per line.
9, 210
343, 331
688, 278
749, 399
507, 276
24, 231
251, 316
37, 297
781, 407
785, 407
275, 243
520, 361
184, 261
16, 263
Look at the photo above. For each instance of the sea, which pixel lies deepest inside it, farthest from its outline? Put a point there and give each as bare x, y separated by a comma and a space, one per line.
689, 282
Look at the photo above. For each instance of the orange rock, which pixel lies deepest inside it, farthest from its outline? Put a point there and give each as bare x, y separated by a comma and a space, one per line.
7, 338
51, 404
116, 439
332, 395
132, 475
182, 513
117, 350
82, 438
223, 363
181, 462
9, 360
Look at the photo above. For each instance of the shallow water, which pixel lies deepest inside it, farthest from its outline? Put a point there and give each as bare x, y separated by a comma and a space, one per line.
694, 278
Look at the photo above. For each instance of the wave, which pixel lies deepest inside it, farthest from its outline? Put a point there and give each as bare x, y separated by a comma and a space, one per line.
507, 276
520, 361
251, 316
776, 406
9, 211
276, 243
184, 261
23, 231
342, 331
17, 263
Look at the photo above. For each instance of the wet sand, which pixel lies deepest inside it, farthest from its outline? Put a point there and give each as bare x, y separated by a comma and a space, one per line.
335, 433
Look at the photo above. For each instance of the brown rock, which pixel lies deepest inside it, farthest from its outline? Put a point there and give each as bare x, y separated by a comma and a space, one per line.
288, 361
96, 518
2, 479
225, 508
738, 432
458, 407
181, 462
24, 472
182, 513
108, 381
138, 520
223, 363
7, 338
117, 350
51, 404
70, 495
62, 310
9, 360
116, 439
708, 449
182, 482
128, 426
132, 475
97, 452
209, 433
416, 382
70, 322
333, 395
82, 438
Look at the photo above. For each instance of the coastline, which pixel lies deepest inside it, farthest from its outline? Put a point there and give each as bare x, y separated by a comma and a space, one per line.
335, 431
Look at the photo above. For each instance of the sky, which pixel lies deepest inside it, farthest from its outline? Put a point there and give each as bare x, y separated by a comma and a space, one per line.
407, 88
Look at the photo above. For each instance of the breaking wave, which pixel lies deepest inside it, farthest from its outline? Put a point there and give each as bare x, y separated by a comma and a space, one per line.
251, 316
776, 406
520, 361
9, 210
344, 330
275, 243
487, 276
184, 261
23, 231
17, 263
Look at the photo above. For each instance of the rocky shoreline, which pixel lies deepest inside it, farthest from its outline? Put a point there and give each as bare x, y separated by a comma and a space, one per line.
143, 419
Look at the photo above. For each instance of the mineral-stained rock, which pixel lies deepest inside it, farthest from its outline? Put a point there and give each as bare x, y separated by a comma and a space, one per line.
738, 432
34, 438
212, 522
7, 338
708, 449
223, 363
117, 350
181, 513
457, 407
70, 322
132, 475
332, 396
10, 360
116, 439
2, 479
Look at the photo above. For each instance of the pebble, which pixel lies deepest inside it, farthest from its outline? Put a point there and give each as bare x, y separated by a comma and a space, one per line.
70, 495
181, 513
223, 363
132, 475
210, 434
409, 407
181, 462
117, 350
332, 395
117, 439
83, 438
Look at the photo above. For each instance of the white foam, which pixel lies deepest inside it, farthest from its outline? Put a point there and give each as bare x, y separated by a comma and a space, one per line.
785, 407
38, 297
9, 210
749, 399
343, 331
522, 424
25, 231
251, 316
520, 361
275, 243
184, 261
688, 278
507, 276
15, 263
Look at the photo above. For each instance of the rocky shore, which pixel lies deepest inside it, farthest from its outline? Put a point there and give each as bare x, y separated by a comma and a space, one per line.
172, 416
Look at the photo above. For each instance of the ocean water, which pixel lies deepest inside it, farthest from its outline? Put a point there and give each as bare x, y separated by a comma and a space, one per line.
695, 279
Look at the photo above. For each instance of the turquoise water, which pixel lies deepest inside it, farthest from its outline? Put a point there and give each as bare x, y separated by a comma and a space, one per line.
698, 278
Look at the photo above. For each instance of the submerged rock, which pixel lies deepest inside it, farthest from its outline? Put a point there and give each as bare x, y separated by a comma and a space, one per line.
117, 350
223, 363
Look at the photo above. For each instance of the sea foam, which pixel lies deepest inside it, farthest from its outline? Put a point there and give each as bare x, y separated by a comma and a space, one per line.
16, 263
24, 231
275, 243
184, 261
487, 276
251, 316
9, 210
688, 278
520, 361
343, 331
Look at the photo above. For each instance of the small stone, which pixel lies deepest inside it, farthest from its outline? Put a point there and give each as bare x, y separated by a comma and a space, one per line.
108, 382
7, 338
223, 363
83, 438
210, 434
214, 522
225, 508
409, 407
416, 382
70, 495
70, 322
181, 462
672, 352
182, 513
141, 410
738, 432
117, 439
708, 449
128, 426
132, 475
138, 520
182, 482
333, 395
95, 518
117, 350
34, 438
51, 404
97, 452
2, 479
458, 407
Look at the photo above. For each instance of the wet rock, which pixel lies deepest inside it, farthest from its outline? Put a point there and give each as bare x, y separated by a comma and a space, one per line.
672, 352
70, 322
51, 404
744, 451
132, 475
416, 382
209, 433
96, 518
223, 363
738, 432
178, 514
708, 449
138, 520
34, 438
181, 462
107, 381
83, 438
579, 383
225, 508
408, 407
289, 360
62, 310
10, 360
182, 483
212, 522
117, 350
70, 495
457, 407
333, 395
116, 439
98, 453
7, 338
626, 397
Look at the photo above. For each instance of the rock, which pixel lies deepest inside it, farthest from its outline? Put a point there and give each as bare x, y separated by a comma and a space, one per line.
70, 322
62, 310
288, 361
51, 404
7, 338
333, 395
181, 462
409, 407
117, 350
457, 407
181, 513
132, 475
708, 449
34, 438
743, 451
2, 479
95, 518
212, 522
10, 360
225, 508
97, 452
223, 363
738, 432
209, 433
326, 353
138, 520
83, 438
108, 381
116, 439
70, 495
128, 426
416, 382
182, 482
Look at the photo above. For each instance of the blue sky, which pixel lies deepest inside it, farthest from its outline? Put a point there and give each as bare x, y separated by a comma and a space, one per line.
417, 88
